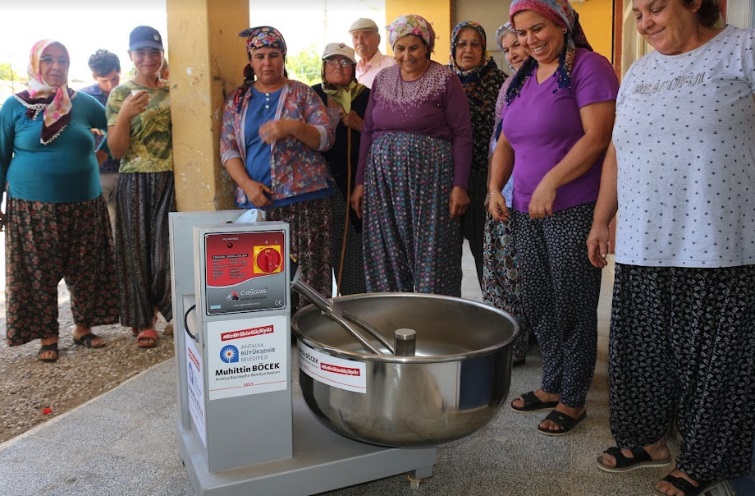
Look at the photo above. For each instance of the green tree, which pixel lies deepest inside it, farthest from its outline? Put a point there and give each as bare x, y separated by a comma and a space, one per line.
305, 66
7, 73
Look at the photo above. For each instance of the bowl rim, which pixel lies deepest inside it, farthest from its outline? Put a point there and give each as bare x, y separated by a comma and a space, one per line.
422, 359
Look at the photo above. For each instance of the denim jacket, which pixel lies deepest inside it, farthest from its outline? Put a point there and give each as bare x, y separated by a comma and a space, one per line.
295, 168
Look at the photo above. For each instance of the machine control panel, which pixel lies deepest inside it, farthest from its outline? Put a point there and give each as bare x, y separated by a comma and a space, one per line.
245, 272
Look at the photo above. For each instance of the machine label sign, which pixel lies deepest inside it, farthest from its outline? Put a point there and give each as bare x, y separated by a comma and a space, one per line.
336, 372
247, 356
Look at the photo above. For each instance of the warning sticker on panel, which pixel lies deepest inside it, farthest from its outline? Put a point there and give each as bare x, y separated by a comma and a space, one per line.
336, 372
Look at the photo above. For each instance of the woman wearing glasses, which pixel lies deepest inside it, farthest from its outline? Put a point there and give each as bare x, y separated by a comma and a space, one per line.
347, 102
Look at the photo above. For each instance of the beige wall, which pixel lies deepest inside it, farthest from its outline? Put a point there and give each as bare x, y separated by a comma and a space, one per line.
596, 18
206, 62
490, 14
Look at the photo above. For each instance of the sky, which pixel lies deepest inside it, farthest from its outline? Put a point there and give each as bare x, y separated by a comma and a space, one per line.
76, 26
83, 26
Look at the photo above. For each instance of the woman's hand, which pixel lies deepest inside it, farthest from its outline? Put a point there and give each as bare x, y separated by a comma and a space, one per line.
134, 105
275, 130
541, 203
497, 208
458, 202
357, 196
352, 120
257, 193
597, 245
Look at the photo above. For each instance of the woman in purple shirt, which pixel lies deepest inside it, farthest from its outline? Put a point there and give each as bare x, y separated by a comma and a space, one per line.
414, 160
557, 123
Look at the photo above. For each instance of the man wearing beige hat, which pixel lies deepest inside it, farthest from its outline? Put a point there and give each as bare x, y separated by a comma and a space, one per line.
366, 39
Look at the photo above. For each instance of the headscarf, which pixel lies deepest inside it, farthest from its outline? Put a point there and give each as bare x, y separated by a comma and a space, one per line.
263, 37
563, 15
486, 58
54, 103
472, 79
259, 37
502, 30
411, 24
345, 94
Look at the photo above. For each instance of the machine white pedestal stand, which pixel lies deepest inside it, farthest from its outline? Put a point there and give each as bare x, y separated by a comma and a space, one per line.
240, 432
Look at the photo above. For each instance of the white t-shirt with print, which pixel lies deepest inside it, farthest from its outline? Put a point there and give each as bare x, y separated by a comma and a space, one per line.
685, 142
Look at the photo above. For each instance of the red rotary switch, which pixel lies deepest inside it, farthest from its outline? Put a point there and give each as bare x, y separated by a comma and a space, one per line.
268, 260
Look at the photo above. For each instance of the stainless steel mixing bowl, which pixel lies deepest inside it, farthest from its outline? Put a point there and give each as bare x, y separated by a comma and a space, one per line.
453, 386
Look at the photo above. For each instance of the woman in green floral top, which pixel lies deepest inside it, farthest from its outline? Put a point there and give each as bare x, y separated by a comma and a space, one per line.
139, 133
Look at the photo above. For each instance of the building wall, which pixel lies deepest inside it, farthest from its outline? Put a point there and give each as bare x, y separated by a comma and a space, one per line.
596, 18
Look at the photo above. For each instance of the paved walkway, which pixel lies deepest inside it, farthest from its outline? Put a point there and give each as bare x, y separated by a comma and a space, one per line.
124, 443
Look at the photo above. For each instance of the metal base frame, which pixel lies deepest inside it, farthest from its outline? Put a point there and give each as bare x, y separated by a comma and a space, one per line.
322, 461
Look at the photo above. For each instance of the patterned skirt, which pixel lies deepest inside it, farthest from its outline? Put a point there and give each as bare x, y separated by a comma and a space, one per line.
309, 229
47, 242
501, 280
410, 241
682, 345
143, 201
347, 261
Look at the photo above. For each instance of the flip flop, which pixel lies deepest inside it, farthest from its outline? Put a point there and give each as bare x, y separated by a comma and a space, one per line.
683, 484
532, 403
148, 339
45, 348
640, 459
86, 340
565, 422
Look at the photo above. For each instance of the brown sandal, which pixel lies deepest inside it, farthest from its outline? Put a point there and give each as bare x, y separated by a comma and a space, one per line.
147, 339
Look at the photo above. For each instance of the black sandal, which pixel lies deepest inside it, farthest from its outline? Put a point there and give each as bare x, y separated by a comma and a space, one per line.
683, 484
640, 459
566, 423
48, 348
532, 403
86, 340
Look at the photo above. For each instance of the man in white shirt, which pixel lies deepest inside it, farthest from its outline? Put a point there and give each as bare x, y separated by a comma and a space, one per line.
366, 39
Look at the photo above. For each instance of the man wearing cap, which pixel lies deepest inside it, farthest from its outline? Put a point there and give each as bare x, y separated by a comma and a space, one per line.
366, 40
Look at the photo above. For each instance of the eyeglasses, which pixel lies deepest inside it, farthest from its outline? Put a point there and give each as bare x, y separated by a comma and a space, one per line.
474, 45
62, 61
337, 62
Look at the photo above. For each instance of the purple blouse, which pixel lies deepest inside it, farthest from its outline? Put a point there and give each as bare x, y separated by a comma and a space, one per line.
543, 123
434, 105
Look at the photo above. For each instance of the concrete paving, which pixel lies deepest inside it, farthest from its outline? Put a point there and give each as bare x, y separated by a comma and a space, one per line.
124, 443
